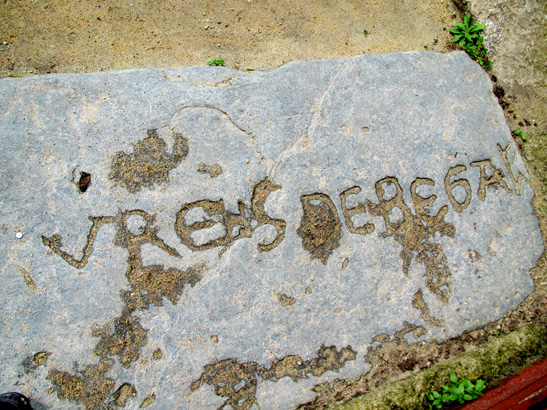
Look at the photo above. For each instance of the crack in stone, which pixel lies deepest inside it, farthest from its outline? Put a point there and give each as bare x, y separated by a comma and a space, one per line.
303, 140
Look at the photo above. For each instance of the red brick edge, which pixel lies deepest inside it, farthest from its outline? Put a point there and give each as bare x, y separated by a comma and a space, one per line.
519, 392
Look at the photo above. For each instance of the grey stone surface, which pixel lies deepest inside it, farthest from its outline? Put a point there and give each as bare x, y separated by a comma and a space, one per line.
200, 237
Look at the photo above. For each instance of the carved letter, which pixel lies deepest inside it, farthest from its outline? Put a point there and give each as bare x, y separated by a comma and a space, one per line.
212, 209
359, 209
260, 195
55, 242
415, 235
495, 178
386, 206
420, 202
516, 181
464, 183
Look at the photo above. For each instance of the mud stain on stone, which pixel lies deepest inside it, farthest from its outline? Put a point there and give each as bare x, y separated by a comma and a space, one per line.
328, 358
124, 393
123, 336
474, 255
285, 300
27, 277
394, 349
148, 401
399, 336
31, 363
213, 170
238, 381
231, 379
158, 354
88, 387
392, 358
320, 228
125, 340
149, 163
41, 357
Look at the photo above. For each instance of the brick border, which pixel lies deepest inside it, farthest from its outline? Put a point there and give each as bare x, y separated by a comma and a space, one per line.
526, 390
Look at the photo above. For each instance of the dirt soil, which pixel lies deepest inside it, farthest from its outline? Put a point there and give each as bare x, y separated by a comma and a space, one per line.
38, 37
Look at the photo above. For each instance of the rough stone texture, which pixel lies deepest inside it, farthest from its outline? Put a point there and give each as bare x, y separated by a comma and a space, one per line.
515, 37
359, 199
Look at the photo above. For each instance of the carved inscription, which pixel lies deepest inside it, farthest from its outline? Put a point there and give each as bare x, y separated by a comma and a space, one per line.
260, 195
123, 337
349, 213
234, 226
55, 242
517, 181
206, 224
458, 206
495, 177
216, 213
414, 233
320, 227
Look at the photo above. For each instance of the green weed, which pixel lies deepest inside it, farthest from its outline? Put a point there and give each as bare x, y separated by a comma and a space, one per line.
216, 62
468, 36
459, 391
519, 133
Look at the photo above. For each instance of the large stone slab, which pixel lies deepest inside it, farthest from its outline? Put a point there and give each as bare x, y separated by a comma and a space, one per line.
204, 238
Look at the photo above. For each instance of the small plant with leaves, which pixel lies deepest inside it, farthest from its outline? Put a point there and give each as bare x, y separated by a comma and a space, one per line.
520, 134
468, 36
216, 62
459, 391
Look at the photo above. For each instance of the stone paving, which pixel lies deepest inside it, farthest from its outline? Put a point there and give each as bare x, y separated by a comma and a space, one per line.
206, 238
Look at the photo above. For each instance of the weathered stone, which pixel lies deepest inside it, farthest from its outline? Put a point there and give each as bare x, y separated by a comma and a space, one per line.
206, 238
